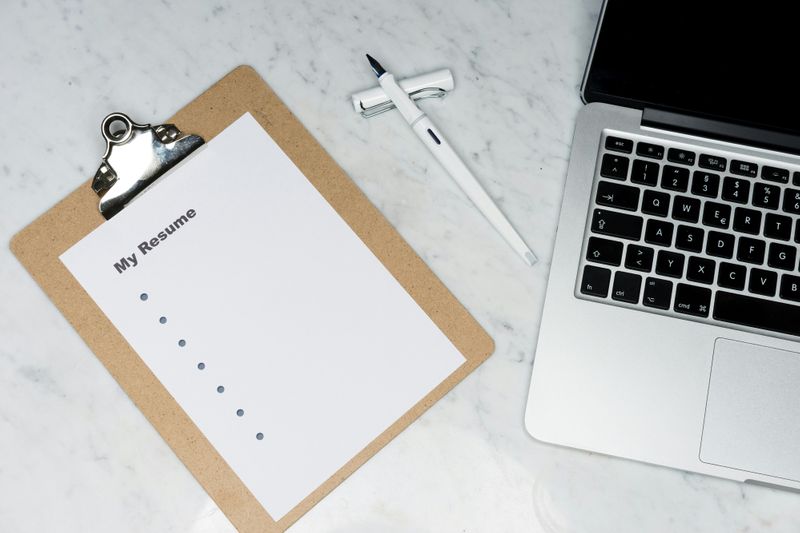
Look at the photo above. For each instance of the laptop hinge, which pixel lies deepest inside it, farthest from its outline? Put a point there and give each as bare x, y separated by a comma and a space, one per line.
717, 129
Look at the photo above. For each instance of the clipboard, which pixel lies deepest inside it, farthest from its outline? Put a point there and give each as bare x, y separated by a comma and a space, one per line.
39, 245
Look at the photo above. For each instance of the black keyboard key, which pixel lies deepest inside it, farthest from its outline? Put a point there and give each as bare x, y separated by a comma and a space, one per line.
720, 244
797, 231
655, 203
780, 175
617, 224
757, 313
763, 282
777, 227
604, 251
669, 264
645, 172
701, 270
717, 215
617, 195
684, 157
595, 281
639, 258
791, 201
689, 238
675, 178
747, 220
768, 196
751, 250
712, 162
619, 144
692, 300
782, 256
731, 276
744, 168
705, 184
626, 287
658, 232
735, 190
657, 293
790, 288
686, 209
650, 150
614, 166
796, 179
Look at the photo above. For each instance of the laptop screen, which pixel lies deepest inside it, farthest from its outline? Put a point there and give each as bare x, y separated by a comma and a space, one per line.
732, 61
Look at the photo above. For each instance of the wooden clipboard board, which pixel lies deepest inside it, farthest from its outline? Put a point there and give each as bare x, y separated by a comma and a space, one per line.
39, 246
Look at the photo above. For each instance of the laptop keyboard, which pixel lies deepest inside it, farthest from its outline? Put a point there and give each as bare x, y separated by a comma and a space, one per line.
679, 230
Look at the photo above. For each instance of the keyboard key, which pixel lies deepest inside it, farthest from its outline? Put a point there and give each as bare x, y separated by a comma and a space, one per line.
744, 168
595, 281
626, 287
686, 209
790, 288
705, 184
701, 269
692, 300
619, 144
657, 293
797, 231
658, 232
780, 175
712, 162
717, 215
796, 179
617, 224
782, 256
720, 244
689, 238
791, 201
604, 251
751, 250
645, 172
617, 195
766, 195
735, 190
684, 157
650, 150
655, 203
669, 264
747, 220
763, 282
614, 166
778, 227
757, 313
639, 258
731, 276
675, 178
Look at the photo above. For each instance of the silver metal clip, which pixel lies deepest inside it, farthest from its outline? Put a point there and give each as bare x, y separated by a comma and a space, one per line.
374, 101
420, 94
136, 156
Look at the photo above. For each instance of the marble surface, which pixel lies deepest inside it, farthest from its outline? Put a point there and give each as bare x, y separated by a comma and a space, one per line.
77, 456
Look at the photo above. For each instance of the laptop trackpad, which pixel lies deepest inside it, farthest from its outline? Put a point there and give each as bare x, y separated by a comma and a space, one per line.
752, 418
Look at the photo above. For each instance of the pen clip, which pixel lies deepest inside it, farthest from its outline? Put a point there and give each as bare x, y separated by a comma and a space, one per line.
419, 94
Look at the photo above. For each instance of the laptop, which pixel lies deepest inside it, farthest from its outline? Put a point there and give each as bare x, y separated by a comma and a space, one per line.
671, 326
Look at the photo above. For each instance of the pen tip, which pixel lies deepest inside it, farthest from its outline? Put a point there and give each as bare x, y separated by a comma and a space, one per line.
376, 67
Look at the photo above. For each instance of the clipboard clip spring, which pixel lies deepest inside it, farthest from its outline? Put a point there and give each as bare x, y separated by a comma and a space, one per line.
136, 155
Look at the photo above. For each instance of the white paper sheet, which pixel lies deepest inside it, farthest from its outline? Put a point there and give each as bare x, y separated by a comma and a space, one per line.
281, 302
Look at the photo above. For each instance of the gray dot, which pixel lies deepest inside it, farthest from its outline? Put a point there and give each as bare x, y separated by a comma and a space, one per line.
181, 343
143, 296
162, 320
201, 366
220, 389
260, 436
240, 412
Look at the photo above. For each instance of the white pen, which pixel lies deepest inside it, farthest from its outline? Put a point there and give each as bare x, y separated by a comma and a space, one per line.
444, 153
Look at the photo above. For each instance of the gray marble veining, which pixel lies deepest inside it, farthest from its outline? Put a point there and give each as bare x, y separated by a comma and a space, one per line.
76, 455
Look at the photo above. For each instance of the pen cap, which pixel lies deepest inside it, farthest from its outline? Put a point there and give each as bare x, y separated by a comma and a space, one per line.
434, 84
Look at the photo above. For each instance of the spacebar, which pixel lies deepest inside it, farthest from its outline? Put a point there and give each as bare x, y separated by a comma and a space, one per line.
757, 313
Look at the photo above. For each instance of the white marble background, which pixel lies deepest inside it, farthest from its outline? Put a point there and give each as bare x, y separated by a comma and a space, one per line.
77, 456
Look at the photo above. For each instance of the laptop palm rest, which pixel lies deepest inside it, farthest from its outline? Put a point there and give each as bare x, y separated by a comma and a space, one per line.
752, 420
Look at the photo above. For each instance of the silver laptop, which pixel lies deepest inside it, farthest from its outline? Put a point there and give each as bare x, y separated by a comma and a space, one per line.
671, 326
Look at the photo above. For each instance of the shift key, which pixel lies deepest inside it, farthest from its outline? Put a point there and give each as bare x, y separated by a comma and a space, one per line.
616, 224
